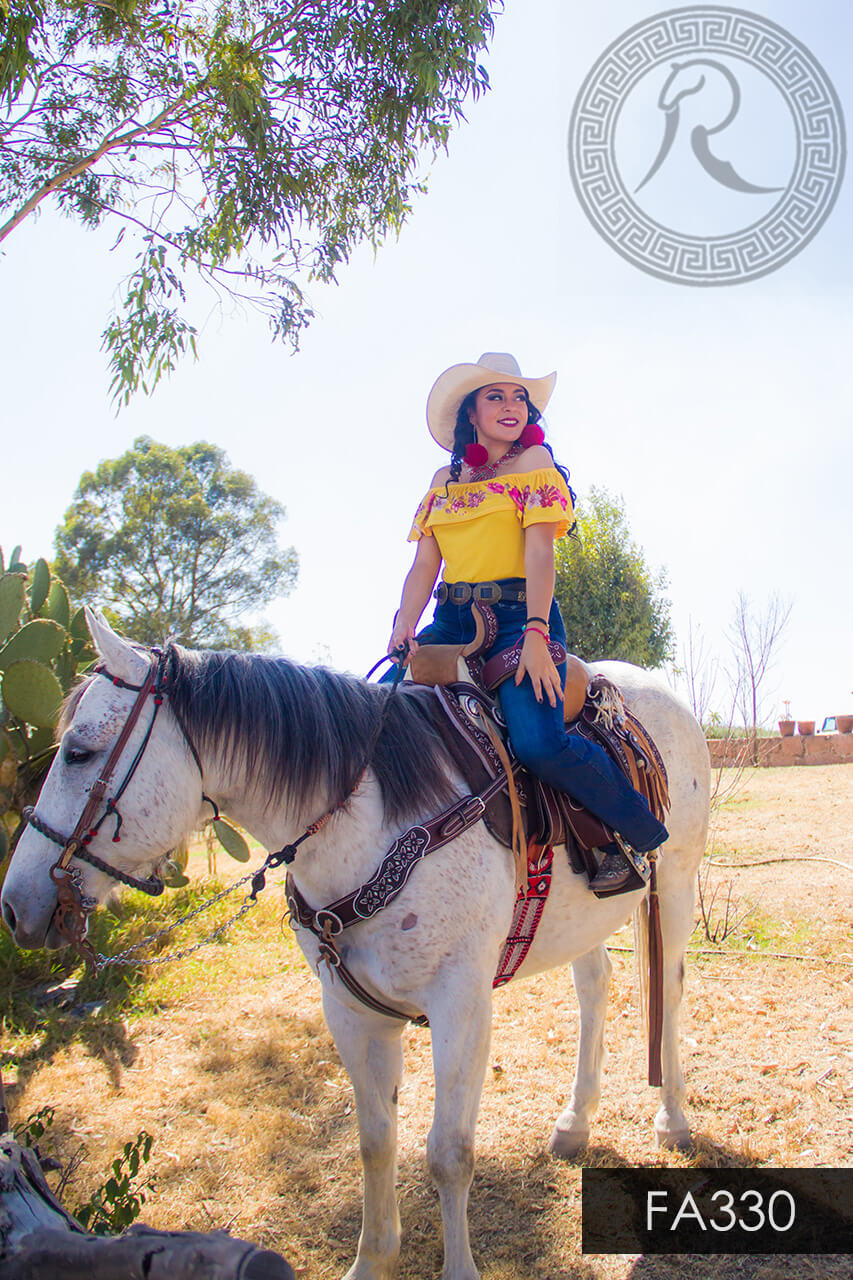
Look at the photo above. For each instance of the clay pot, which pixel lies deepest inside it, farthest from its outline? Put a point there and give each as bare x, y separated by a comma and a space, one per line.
787, 727
844, 724
805, 728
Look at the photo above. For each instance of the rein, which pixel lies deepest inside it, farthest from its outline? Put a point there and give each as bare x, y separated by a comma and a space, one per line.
73, 907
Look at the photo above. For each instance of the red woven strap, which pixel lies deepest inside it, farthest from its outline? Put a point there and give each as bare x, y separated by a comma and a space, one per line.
529, 905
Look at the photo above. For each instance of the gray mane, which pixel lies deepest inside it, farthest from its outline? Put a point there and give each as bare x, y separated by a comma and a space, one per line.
296, 730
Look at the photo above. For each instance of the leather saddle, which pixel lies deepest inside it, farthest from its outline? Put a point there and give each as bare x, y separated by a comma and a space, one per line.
469, 721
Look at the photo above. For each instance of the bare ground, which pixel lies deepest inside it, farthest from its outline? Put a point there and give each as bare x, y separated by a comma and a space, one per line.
231, 1069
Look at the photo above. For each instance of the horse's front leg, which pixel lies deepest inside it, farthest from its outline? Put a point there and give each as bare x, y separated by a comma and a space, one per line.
591, 974
460, 1017
371, 1050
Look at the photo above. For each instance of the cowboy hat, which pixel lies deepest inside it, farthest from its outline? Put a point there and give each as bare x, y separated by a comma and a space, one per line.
451, 387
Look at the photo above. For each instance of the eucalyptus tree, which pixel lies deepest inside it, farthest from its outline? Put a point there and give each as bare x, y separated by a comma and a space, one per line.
247, 145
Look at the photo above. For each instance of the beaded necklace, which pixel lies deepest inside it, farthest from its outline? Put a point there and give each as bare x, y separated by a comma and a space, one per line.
490, 469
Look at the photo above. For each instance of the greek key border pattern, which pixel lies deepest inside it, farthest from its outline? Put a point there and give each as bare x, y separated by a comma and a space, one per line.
801, 210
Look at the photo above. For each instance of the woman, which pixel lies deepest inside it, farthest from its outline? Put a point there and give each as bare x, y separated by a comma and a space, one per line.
491, 518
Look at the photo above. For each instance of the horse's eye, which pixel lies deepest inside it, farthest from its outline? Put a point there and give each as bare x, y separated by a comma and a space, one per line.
76, 755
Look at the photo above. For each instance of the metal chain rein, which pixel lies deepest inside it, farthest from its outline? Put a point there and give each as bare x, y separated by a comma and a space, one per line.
258, 878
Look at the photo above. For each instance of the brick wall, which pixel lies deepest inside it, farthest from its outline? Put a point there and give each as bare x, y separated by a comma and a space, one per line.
829, 748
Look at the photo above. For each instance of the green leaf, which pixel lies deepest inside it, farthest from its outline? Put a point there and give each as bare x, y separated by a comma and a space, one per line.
174, 866
13, 597
174, 879
58, 606
40, 586
180, 856
40, 641
231, 840
4, 842
32, 693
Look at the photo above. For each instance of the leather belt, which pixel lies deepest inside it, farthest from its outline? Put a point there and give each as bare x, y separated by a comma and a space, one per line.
487, 592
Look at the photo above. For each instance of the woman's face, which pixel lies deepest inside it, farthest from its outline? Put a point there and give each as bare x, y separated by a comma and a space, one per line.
500, 412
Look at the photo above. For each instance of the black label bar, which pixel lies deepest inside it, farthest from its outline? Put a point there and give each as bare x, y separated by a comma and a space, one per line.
774, 1211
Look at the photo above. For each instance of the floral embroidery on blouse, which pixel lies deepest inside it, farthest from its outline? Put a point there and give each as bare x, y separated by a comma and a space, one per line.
545, 496
523, 497
459, 504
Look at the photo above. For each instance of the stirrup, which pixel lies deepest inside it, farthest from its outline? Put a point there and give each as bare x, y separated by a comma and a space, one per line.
627, 871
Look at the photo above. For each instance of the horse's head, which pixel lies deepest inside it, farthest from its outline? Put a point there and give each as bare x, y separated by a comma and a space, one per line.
161, 802
710, 83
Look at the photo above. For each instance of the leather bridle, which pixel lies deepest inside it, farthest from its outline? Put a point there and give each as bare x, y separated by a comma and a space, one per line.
73, 908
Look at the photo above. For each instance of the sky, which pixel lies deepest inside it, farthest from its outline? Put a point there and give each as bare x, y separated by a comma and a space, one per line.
720, 416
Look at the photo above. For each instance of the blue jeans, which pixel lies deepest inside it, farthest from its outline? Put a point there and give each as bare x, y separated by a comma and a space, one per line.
537, 732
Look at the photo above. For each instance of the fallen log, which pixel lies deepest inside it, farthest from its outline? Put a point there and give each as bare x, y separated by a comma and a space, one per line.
40, 1240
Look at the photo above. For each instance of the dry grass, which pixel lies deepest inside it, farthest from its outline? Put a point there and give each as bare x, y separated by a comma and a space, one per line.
227, 1062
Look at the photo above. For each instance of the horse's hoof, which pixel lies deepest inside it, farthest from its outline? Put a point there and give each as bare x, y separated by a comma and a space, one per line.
680, 1140
566, 1144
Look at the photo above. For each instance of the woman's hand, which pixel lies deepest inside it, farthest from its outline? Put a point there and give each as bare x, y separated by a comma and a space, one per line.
420, 581
402, 634
536, 662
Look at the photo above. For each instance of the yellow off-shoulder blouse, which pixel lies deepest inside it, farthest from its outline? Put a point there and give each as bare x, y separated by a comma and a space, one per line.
479, 527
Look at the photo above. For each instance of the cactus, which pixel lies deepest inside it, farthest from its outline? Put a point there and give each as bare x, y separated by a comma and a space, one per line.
13, 597
40, 641
40, 586
44, 647
42, 650
58, 606
31, 693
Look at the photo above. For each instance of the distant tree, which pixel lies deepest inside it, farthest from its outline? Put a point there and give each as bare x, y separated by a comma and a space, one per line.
243, 145
176, 542
698, 670
754, 635
612, 602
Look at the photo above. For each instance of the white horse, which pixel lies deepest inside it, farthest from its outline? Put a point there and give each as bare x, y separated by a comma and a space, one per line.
277, 745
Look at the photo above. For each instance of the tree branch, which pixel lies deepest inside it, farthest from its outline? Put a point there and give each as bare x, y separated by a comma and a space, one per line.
80, 166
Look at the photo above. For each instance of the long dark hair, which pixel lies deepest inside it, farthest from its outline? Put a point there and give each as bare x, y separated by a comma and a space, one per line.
465, 434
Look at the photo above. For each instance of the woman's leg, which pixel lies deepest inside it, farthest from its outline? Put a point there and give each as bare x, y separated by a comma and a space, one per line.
573, 764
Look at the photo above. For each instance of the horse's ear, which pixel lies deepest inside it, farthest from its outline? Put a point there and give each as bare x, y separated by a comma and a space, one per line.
120, 657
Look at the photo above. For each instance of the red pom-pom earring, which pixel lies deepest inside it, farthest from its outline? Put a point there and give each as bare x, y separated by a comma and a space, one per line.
476, 455
532, 434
